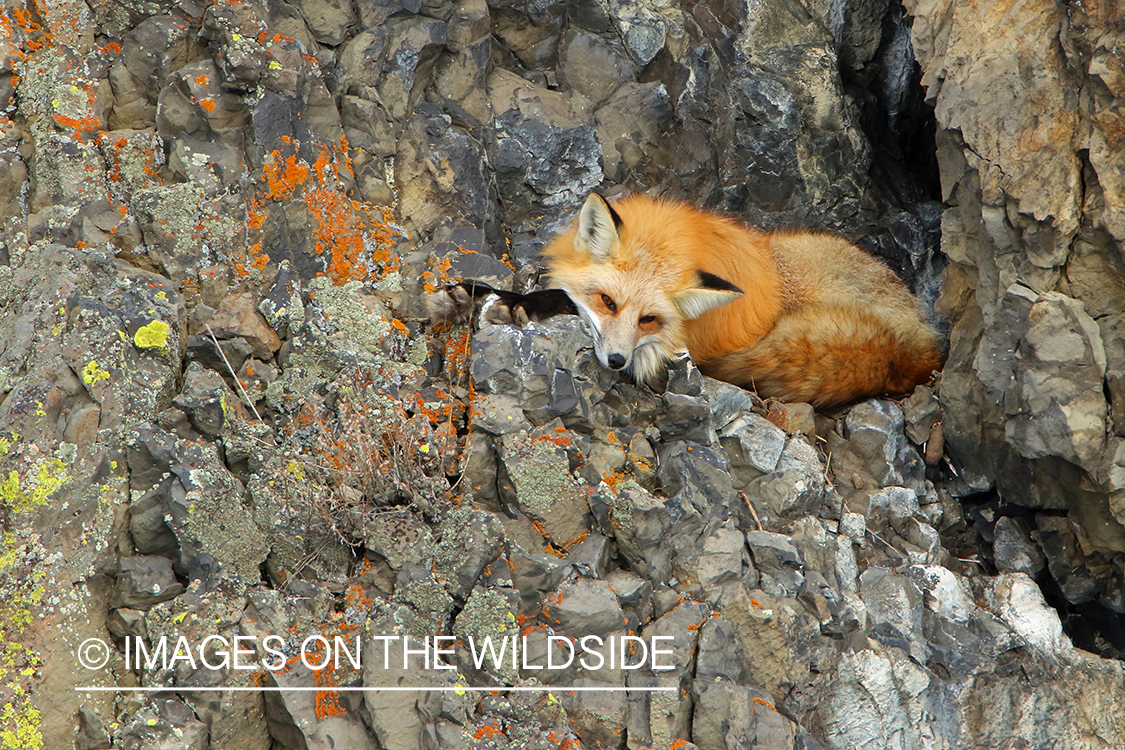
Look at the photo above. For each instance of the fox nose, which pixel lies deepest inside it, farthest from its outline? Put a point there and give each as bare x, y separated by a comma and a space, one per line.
615, 361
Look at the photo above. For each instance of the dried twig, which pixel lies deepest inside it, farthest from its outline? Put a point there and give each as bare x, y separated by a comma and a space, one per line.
753, 512
241, 387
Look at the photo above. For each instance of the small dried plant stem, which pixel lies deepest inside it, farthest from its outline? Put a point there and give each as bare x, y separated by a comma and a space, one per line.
753, 512
245, 395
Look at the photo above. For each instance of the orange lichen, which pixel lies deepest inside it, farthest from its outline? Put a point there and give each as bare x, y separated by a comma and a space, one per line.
283, 177
765, 703
488, 730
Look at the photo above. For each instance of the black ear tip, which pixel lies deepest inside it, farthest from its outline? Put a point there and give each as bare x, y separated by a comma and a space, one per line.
595, 195
718, 283
612, 213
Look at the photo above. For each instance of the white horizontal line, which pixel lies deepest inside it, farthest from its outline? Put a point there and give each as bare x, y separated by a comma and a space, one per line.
344, 689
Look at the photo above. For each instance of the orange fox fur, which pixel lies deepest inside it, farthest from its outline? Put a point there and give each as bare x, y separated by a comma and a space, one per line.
802, 316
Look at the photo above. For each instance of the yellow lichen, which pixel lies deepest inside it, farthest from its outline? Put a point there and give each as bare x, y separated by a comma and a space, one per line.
93, 373
20, 728
11, 552
152, 336
51, 476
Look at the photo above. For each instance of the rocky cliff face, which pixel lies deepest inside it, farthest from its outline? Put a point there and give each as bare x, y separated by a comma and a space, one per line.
224, 415
1035, 291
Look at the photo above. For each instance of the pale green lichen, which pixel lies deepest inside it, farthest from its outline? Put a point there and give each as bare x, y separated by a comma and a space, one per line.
152, 336
93, 373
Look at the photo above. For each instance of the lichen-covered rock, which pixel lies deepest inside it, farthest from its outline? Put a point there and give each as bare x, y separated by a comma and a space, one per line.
203, 503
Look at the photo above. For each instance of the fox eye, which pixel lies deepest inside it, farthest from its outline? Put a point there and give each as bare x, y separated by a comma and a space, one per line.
647, 319
609, 303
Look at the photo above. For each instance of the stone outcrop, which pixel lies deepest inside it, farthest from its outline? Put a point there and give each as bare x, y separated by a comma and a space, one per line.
1035, 290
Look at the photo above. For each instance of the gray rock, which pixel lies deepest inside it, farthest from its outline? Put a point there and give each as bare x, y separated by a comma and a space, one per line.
652, 532
144, 581
778, 561
92, 733
720, 653
945, 593
1059, 542
593, 65
207, 400
685, 418
1014, 550
586, 607
151, 535
921, 412
399, 537
441, 177
876, 450
534, 574
659, 718
231, 353
698, 473
479, 472
1057, 404
633, 592
489, 616
633, 129
547, 150
591, 556
724, 558
470, 541
238, 316
729, 716
123, 623
549, 368
281, 305
203, 505
894, 609
498, 414
797, 485
753, 445
729, 402
166, 724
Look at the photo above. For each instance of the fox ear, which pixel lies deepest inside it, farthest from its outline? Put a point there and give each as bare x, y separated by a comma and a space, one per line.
597, 229
709, 291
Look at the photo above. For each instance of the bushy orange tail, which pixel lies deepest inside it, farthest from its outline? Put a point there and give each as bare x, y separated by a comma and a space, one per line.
830, 356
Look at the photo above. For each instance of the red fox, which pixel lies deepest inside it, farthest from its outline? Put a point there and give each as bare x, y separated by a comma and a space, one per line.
802, 316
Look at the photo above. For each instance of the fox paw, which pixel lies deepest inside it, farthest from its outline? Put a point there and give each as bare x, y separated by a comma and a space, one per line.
453, 304
495, 311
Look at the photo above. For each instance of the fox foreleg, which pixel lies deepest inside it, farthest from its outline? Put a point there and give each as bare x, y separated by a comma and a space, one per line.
462, 301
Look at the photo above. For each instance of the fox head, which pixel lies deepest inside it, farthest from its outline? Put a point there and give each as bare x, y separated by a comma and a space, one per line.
636, 299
